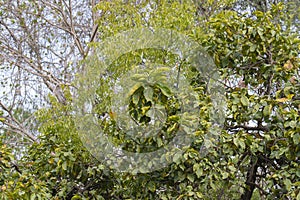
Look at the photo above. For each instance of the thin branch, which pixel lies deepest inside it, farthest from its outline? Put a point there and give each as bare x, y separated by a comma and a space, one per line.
18, 128
94, 32
249, 128
252, 65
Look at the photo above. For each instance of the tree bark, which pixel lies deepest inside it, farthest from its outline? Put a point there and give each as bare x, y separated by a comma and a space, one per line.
251, 179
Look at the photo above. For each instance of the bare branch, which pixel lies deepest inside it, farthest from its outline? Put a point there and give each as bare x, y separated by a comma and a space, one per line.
17, 127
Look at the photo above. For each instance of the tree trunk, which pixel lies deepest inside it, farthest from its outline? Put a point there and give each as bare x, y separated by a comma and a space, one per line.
251, 179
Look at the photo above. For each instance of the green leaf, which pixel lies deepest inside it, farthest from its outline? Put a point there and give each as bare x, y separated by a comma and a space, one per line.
145, 109
224, 174
134, 89
136, 98
159, 71
286, 91
244, 100
172, 128
288, 184
64, 165
164, 89
198, 170
253, 47
258, 13
239, 142
174, 118
177, 157
232, 168
191, 177
151, 186
267, 110
32, 196
296, 138
273, 32
76, 197
148, 93
139, 77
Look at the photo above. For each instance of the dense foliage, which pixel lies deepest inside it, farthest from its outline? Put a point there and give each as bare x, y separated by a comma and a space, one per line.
256, 154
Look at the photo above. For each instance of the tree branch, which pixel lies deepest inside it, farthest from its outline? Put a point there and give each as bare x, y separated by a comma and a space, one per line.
249, 128
18, 128
251, 178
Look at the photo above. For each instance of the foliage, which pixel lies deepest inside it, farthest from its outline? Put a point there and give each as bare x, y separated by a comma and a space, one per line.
256, 155
264, 61
58, 167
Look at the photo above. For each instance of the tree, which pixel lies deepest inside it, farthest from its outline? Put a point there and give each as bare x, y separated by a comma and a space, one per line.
256, 153
267, 91
41, 45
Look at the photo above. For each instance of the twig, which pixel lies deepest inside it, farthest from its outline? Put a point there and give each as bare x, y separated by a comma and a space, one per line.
16, 128
249, 128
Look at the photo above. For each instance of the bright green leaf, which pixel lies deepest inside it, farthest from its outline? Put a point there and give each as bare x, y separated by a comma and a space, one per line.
244, 100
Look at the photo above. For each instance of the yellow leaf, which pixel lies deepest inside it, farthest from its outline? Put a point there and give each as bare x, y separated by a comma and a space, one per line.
51, 161
290, 96
3, 188
288, 65
282, 100
112, 115
133, 89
